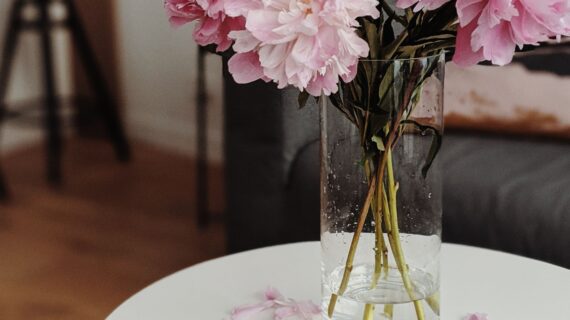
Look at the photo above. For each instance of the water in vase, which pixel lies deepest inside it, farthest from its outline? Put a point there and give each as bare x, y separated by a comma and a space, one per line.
388, 298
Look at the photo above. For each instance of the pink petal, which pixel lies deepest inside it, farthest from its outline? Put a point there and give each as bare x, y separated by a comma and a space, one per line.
297, 73
476, 316
245, 67
464, 54
273, 56
308, 308
177, 22
272, 294
404, 4
467, 10
305, 310
348, 77
355, 45
261, 24
284, 312
304, 49
244, 41
542, 19
235, 8
496, 11
248, 311
498, 43
526, 29
222, 37
326, 84
181, 12
208, 27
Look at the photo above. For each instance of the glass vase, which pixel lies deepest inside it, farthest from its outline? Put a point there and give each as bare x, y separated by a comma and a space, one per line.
381, 201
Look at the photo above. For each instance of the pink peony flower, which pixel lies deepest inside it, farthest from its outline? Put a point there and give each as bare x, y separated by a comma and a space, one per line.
213, 24
492, 29
307, 43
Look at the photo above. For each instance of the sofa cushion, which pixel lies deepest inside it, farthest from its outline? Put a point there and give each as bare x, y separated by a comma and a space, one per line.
508, 194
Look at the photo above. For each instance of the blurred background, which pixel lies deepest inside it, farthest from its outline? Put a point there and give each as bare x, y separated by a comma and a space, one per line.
78, 248
140, 165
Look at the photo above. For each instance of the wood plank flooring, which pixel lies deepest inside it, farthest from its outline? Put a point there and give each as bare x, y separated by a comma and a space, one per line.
112, 229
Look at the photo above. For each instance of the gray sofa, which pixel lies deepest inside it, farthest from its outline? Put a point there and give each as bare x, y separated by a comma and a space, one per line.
509, 194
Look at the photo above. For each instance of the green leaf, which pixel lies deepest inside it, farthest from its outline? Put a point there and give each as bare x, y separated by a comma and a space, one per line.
373, 38
433, 151
441, 19
435, 145
409, 14
386, 89
378, 122
390, 50
427, 49
379, 143
387, 33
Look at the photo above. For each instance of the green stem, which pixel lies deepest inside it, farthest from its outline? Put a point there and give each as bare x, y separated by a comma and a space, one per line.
389, 311
356, 237
352, 251
380, 247
368, 312
378, 179
394, 238
433, 302
380, 250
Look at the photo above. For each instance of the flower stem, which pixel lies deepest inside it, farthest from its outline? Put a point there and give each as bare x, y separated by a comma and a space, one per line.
353, 247
368, 312
378, 180
389, 311
433, 302
380, 251
394, 238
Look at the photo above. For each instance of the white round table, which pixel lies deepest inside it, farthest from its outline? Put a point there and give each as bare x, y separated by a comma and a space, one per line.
504, 286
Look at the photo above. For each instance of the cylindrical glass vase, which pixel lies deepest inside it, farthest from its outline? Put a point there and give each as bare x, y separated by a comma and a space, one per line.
381, 201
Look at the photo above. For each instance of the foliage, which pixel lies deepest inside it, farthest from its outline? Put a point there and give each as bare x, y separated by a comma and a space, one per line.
388, 83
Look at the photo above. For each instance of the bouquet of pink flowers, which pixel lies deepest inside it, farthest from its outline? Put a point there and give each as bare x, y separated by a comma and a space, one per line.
376, 61
314, 44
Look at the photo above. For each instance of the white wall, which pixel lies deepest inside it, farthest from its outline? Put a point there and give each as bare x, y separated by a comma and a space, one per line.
25, 82
158, 76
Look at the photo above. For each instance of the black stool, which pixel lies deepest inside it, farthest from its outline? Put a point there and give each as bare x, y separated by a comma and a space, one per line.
106, 105
3, 190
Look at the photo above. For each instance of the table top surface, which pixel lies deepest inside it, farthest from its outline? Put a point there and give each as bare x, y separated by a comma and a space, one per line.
506, 287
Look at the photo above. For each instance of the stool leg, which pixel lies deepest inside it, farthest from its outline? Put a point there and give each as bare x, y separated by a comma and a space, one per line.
9, 50
8, 54
107, 106
52, 121
4, 193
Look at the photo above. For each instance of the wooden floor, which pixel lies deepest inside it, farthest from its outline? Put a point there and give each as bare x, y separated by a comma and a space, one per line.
78, 252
